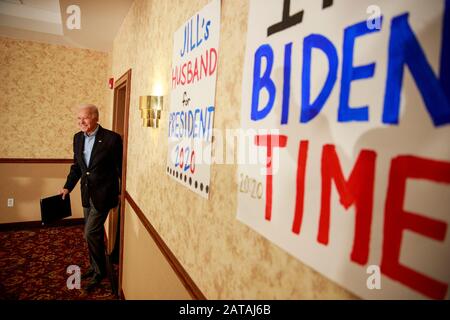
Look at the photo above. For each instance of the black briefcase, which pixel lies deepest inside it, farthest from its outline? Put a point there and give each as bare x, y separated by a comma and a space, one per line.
55, 208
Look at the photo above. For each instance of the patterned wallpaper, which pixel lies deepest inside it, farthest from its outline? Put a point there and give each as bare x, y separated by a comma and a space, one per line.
41, 84
225, 258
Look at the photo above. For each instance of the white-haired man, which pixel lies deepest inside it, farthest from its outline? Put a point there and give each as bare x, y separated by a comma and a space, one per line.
98, 163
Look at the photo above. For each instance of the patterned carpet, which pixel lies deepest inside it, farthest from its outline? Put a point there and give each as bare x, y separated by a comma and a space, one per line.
33, 265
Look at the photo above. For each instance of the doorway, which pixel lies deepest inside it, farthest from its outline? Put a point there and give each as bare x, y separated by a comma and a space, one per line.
121, 109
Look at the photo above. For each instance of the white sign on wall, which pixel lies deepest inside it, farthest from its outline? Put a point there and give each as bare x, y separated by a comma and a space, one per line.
191, 116
357, 178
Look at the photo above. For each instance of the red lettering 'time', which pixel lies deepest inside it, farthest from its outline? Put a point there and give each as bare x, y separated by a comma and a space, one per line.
397, 220
270, 141
358, 190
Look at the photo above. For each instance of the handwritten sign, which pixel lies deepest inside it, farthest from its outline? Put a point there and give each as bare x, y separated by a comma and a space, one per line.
357, 178
191, 116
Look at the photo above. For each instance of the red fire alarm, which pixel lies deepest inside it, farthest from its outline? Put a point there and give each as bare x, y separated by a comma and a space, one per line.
111, 83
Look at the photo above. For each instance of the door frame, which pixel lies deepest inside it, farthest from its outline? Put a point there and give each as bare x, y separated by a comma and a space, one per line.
123, 81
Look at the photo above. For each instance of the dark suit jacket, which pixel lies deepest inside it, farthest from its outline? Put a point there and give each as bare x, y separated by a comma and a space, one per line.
101, 180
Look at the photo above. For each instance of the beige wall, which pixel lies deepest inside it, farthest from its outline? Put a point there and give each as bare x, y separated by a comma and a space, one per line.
225, 258
153, 277
40, 84
29, 182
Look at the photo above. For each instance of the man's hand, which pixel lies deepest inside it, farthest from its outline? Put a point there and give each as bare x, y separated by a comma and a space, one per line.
64, 192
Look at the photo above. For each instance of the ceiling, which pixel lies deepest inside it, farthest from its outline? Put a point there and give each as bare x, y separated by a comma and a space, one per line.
46, 21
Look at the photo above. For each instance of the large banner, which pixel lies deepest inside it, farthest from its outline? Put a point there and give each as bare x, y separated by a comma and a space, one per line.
191, 116
348, 101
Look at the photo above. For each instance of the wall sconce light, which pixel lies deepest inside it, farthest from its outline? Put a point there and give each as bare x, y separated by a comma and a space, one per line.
151, 107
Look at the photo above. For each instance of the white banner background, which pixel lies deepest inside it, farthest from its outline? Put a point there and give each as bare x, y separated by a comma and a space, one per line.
191, 116
414, 135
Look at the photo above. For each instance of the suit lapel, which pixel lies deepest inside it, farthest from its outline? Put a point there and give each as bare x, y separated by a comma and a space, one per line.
81, 150
97, 144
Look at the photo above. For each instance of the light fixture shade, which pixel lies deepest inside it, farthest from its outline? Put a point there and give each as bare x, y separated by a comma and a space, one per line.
151, 107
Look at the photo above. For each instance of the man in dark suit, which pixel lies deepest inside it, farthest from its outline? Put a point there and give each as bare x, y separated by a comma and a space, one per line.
98, 162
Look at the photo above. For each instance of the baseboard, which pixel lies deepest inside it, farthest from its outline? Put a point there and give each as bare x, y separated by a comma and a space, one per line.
38, 224
186, 280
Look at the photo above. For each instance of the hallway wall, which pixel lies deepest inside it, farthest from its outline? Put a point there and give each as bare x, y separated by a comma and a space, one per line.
26, 183
40, 88
152, 277
225, 258
41, 84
